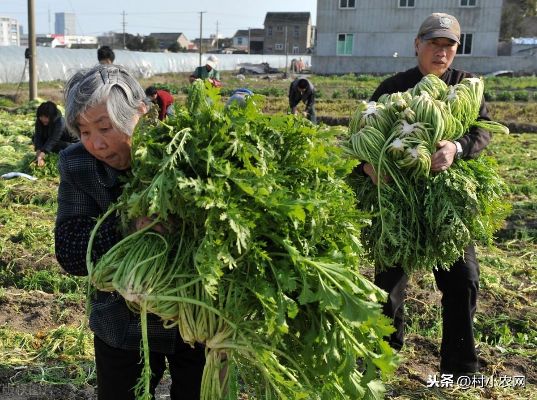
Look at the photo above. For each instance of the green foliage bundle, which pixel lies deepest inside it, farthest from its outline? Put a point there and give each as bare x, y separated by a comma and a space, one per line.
258, 253
424, 221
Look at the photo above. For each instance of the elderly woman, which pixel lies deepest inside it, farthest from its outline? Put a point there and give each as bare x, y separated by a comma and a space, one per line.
103, 105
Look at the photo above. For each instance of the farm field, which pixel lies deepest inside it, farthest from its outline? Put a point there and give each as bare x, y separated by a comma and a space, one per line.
46, 352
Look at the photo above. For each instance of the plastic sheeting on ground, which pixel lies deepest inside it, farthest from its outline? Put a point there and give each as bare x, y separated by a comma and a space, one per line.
60, 63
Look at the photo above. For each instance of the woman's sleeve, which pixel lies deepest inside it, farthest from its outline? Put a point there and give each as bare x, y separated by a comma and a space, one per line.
38, 136
77, 216
55, 135
72, 238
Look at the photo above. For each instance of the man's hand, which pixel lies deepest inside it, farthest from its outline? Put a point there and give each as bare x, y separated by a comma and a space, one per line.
442, 159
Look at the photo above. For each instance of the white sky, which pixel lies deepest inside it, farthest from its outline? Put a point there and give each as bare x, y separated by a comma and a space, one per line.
94, 17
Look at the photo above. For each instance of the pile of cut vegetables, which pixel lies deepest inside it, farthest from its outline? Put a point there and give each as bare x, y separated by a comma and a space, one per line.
423, 220
258, 256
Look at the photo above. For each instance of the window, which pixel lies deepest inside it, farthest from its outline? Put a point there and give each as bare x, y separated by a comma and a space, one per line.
269, 31
406, 3
466, 44
468, 3
279, 28
296, 32
296, 50
344, 44
346, 3
239, 40
278, 46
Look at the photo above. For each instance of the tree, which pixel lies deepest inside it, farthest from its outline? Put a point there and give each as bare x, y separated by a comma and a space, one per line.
133, 43
175, 47
150, 43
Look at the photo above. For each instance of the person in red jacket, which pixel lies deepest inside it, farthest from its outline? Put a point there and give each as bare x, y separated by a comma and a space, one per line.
164, 100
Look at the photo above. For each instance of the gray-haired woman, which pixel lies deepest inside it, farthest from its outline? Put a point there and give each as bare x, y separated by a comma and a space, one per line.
102, 106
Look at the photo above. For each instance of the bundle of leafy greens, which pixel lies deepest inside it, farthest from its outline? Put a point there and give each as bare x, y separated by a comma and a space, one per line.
423, 220
258, 253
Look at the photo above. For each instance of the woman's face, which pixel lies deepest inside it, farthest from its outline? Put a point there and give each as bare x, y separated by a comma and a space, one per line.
102, 140
44, 119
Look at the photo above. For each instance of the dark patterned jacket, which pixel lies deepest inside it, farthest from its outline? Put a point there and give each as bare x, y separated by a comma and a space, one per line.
87, 188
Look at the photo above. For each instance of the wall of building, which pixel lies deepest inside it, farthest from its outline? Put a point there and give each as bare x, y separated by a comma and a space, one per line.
381, 28
9, 32
389, 65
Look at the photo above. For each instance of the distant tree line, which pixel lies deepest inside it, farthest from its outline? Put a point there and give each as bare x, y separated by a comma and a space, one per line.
519, 19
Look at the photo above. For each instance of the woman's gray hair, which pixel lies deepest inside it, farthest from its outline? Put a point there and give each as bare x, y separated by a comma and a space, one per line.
104, 83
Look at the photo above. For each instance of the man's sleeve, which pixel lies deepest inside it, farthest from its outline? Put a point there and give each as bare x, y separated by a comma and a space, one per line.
476, 139
293, 101
310, 101
383, 88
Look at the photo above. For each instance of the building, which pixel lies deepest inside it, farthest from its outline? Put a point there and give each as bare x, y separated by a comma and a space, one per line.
288, 33
167, 39
9, 32
250, 40
524, 46
356, 36
71, 41
65, 24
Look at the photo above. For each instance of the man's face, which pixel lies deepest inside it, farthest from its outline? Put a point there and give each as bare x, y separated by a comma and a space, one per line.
435, 55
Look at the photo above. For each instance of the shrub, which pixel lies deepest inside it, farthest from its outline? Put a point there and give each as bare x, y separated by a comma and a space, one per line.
521, 95
505, 96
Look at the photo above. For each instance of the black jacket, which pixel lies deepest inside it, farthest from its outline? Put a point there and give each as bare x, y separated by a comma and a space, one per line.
53, 137
87, 188
295, 97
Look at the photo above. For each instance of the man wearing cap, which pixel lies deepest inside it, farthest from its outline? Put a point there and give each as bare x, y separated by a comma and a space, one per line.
436, 46
208, 71
302, 90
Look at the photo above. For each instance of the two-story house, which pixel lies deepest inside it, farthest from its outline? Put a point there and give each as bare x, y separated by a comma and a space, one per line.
288, 33
377, 36
250, 40
166, 39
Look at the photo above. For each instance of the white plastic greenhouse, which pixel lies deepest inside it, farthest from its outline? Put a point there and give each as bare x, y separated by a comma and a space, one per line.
60, 63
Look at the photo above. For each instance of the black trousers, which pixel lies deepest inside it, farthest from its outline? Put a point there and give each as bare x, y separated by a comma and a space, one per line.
118, 371
459, 287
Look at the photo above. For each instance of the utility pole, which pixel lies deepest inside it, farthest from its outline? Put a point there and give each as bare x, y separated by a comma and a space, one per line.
124, 24
201, 33
32, 50
286, 55
217, 34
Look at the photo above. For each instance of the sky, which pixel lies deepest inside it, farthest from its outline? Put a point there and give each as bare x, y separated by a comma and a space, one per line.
95, 17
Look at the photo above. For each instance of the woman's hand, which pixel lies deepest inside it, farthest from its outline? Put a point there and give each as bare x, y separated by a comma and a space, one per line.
40, 158
143, 222
370, 171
